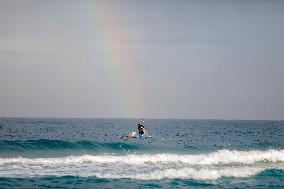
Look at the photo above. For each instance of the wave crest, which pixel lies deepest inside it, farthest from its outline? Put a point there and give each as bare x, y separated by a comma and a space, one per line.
207, 166
218, 157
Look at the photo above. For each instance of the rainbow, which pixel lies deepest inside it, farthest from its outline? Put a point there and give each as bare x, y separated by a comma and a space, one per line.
122, 78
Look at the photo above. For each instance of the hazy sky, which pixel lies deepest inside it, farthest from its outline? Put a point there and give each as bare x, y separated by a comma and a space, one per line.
153, 59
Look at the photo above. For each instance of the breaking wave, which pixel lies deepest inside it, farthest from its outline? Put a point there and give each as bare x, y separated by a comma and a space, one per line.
207, 166
218, 157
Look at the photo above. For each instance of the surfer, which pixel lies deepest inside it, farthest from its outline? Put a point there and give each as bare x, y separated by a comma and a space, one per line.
142, 133
141, 129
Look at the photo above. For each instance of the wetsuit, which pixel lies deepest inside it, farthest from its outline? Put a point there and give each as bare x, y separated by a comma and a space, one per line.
141, 129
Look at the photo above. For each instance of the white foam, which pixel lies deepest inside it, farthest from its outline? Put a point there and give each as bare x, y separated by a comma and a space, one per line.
219, 157
189, 173
207, 166
146, 173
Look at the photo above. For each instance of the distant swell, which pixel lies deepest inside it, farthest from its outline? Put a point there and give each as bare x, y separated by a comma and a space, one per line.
56, 145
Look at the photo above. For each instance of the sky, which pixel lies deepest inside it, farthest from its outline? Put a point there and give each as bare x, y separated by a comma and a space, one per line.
194, 59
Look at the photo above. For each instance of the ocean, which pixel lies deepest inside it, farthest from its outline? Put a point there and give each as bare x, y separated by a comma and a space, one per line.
88, 153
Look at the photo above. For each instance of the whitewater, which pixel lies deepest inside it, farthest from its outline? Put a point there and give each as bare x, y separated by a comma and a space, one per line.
223, 163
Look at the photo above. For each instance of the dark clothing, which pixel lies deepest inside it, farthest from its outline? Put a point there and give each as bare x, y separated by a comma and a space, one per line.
141, 129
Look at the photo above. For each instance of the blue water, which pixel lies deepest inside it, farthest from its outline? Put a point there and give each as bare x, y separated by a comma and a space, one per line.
88, 153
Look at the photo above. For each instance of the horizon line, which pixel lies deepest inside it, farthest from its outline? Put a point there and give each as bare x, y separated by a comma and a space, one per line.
144, 118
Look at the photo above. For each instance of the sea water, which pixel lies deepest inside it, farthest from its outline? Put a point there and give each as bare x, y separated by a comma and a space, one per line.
88, 153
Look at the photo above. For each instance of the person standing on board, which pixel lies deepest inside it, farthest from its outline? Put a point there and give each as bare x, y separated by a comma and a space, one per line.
141, 129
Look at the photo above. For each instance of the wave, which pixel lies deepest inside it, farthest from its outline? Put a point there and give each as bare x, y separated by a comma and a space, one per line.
207, 166
59, 145
188, 173
213, 158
